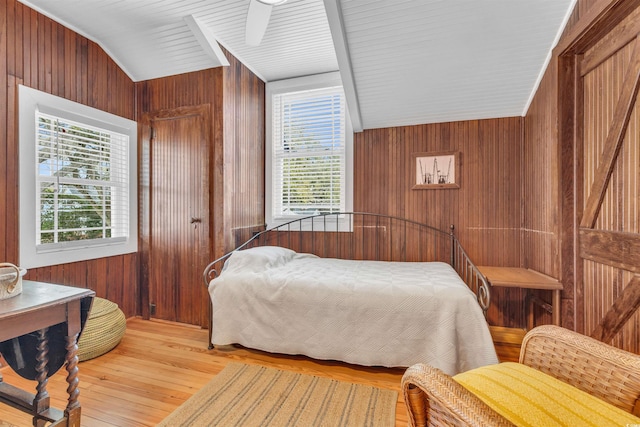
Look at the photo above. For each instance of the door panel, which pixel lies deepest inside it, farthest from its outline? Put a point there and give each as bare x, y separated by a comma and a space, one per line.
178, 224
611, 170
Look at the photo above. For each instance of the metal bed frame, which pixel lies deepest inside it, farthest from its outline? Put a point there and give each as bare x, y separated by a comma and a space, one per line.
367, 236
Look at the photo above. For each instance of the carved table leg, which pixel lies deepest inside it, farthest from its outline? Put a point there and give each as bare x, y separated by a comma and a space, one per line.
41, 399
72, 411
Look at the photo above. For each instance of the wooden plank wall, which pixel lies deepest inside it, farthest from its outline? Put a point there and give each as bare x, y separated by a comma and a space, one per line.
364, 237
581, 9
244, 145
542, 190
39, 53
486, 209
540, 164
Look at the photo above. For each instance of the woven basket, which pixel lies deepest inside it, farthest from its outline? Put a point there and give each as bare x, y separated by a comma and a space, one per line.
103, 331
10, 280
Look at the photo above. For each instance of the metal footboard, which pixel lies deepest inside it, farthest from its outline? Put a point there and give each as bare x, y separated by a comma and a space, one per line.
470, 274
367, 236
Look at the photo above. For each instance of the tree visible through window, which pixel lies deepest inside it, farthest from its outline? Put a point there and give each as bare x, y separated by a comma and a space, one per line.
82, 181
309, 152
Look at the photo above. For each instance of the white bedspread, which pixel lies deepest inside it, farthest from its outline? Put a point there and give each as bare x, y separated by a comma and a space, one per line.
371, 313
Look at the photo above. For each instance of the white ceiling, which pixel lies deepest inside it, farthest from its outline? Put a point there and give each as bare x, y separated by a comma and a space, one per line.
403, 62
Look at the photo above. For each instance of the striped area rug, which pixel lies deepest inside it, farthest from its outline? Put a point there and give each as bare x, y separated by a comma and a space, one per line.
248, 395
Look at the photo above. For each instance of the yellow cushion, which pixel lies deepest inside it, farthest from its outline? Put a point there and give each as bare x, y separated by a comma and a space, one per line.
528, 397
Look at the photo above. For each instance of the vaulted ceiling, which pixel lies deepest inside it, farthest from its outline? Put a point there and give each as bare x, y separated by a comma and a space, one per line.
403, 62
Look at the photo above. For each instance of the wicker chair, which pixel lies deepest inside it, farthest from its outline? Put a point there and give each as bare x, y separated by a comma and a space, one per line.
613, 375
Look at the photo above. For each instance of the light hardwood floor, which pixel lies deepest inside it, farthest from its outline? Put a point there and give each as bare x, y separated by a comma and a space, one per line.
158, 365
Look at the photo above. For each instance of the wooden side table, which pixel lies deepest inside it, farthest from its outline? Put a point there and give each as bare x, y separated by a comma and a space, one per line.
27, 318
524, 278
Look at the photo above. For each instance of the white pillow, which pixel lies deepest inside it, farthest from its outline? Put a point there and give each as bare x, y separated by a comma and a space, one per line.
256, 260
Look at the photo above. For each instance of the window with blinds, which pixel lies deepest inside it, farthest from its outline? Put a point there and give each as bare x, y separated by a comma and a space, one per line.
82, 184
78, 181
308, 152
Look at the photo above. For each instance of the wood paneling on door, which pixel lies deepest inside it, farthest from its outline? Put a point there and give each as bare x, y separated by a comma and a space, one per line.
42, 54
610, 228
236, 156
611, 91
485, 210
176, 242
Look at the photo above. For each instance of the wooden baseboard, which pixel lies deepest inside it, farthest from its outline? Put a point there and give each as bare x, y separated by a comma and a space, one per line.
508, 342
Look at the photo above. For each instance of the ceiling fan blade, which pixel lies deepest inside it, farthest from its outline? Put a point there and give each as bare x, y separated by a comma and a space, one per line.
257, 21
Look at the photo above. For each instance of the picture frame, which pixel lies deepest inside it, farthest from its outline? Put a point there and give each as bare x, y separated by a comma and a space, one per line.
436, 170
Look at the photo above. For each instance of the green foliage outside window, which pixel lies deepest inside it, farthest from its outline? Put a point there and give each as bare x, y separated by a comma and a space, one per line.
75, 194
312, 156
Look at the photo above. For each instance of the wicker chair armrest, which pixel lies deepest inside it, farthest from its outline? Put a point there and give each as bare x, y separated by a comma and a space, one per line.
599, 369
434, 398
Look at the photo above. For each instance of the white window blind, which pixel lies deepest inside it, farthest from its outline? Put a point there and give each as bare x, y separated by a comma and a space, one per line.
82, 184
309, 152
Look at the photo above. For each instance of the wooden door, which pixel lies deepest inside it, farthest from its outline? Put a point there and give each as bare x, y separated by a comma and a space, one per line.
175, 210
608, 184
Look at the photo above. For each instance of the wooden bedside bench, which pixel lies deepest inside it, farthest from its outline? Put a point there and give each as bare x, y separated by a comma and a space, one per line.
525, 278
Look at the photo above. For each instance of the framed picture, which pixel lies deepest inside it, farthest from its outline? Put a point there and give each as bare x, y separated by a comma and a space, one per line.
436, 170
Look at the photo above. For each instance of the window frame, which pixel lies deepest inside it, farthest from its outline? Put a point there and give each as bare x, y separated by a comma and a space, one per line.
32, 254
320, 81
